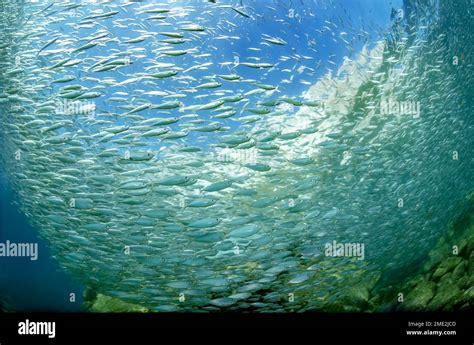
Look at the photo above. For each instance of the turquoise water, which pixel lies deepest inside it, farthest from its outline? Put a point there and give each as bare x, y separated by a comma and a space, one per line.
203, 156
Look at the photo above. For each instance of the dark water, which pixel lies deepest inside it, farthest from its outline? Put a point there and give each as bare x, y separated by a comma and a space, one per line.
27, 285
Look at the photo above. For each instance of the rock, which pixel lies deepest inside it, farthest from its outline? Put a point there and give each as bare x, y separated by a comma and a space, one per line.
435, 256
438, 273
447, 296
106, 304
428, 275
420, 296
336, 307
358, 295
451, 262
372, 280
374, 302
339, 307
446, 266
445, 282
470, 244
464, 282
463, 247
89, 294
468, 295
387, 308
351, 309
460, 270
384, 299
471, 264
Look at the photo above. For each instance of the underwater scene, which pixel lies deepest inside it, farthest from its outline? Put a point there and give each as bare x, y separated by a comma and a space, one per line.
243, 156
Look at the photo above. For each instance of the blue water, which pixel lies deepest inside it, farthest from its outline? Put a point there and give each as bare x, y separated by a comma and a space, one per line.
317, 53
27, 285
40, 285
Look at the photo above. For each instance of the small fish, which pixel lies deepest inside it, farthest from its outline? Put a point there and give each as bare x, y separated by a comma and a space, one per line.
204, 223
163, 74
259, 65
174, 180
239, 11
218, 186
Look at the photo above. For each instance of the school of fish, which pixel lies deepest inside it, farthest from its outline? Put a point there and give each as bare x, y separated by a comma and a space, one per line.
168, 174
